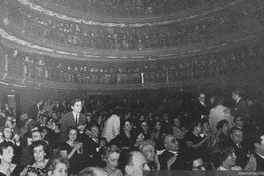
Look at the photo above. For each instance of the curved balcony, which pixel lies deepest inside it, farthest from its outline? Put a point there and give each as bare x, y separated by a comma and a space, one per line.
122, 11
28, 69
115, 41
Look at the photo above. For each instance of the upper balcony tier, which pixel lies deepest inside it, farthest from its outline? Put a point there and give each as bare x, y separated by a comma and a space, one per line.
86, 39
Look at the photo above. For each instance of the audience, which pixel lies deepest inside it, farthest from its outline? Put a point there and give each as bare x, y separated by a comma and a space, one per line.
131, 151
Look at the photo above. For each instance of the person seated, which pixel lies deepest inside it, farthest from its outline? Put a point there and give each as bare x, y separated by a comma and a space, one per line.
124, 139
148, 148
38, 151
58, 167
73, 150
138, 137
195, 144
94, 145
93, 171
27, 158
111, 156
223, 156
6, 155
222, 134
15, 139
171, 158
237, 140
157, 134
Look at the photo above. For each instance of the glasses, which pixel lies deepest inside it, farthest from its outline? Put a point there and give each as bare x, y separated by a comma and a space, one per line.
200, 167
173, 141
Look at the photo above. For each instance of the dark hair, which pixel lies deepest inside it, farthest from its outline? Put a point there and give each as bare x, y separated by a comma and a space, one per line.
74, 101
4, 145
236, 117
51, 166
233, 129
220, 152
125, 159
194, 123
36, 144
71, 128
109, 150
221, 123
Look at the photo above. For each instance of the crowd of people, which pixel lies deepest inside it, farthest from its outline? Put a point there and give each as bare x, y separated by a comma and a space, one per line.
42, 67
125, 137
190, 31
130, 8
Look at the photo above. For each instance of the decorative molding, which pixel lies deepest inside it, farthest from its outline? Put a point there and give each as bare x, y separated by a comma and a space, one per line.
127, 24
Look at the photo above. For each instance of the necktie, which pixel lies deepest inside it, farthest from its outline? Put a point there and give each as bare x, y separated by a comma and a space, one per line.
76, 119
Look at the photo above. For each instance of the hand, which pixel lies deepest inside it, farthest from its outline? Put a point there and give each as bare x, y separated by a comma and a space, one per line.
102, 143
156, 161
171, 160
236, 168
16, 138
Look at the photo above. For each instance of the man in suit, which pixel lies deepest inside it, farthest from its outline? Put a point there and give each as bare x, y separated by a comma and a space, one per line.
35, 109
240, 151
73, 118
241, 108
256, 162
171, 159
200, 108
93, 145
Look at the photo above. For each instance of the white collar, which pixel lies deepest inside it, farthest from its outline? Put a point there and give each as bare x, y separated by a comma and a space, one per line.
221, 168
238, 100
174, 152
260, 155
74, 114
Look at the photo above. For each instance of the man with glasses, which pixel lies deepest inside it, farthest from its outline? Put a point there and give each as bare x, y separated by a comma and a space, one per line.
200, 109
171, 159
73, 118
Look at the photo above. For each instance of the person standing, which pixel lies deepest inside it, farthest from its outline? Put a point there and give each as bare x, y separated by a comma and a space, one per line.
73, 118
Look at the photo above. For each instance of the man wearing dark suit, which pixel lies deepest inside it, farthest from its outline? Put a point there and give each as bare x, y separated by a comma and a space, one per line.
171, 159
200, 109
35, 109
240, 151
93, 145
241, 108
73, 118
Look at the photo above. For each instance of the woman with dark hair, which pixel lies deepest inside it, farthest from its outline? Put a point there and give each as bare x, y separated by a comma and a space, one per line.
6, 155
58, 167
223, 156
72, 149
138, 137
157, 134
111, 156
124, 140
222, 134
38, 150
178, 130
146, 129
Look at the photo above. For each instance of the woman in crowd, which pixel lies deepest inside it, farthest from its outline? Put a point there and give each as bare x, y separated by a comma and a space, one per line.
158, 135
148, 148
38, 150
223, 156
124, 139
146, 129
138, 136
72, 150
58, 167
178, 130
6, 154
111, 156
222, 131
195, 144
